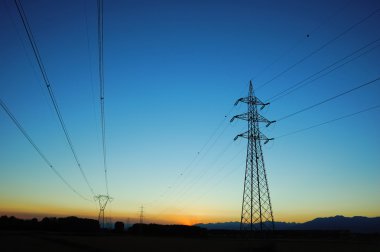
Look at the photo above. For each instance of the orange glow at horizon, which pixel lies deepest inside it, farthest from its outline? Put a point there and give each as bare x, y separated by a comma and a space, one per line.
28, 211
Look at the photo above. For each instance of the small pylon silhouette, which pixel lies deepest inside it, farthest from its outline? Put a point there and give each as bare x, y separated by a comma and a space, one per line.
142, 215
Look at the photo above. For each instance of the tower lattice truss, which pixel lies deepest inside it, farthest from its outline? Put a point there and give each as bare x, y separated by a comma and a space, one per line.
256, 211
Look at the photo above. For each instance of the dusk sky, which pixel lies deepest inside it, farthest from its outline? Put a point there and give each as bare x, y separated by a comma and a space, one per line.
172, 73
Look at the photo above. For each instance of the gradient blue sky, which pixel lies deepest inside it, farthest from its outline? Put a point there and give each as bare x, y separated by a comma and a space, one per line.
173, 70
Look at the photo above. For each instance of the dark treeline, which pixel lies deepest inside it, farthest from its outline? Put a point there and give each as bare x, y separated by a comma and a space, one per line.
73, 224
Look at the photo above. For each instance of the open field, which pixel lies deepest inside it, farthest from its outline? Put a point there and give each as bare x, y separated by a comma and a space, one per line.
49, 241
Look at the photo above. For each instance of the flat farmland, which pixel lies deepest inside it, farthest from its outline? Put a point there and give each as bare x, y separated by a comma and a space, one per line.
56, 242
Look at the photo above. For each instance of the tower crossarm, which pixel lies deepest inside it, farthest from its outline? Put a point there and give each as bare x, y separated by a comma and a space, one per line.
260, 136
252, 100
103, 200
260, 118
241, 116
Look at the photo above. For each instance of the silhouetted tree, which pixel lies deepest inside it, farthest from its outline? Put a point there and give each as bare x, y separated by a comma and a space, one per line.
119, 227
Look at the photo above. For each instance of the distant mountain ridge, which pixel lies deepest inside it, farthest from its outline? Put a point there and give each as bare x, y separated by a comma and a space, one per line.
356, 224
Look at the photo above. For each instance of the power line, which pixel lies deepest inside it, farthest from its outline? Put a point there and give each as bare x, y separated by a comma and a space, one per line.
329, 99
211, 188
26, 135
102, 199
309, 79
101, 81
300, 41
222, 168
187, 184
187, 188
320, 48
329, 121
90, 68
200, 154
197, 159
49, 87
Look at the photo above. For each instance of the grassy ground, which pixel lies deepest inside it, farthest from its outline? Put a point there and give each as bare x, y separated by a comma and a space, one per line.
56, 242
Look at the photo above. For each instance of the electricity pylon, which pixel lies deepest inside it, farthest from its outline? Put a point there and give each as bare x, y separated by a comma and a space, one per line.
142, 215
103, 200
256, 210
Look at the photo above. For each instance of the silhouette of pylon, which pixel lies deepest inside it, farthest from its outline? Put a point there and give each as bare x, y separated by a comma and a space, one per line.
256, 211
102, 200
142, 215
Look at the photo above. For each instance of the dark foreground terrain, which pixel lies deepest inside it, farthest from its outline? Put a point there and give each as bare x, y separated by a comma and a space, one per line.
59, 241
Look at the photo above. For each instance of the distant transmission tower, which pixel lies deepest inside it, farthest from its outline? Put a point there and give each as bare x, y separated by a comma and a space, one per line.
142, 215
256, 211
103, 200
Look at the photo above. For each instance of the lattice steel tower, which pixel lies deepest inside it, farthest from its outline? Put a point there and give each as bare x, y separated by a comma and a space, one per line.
102, 200
256, 211
142, 215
